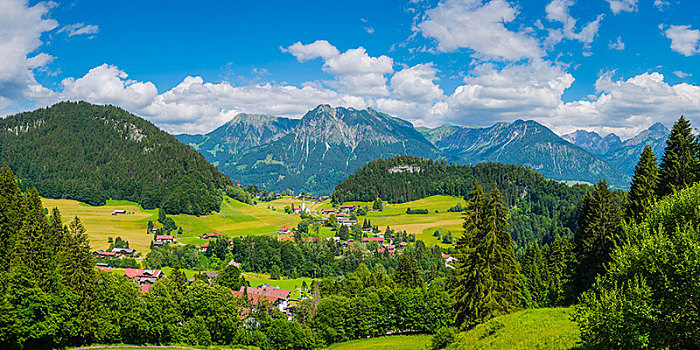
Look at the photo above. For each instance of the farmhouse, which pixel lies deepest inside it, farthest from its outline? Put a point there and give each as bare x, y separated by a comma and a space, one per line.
379, 240
123, 252
284, 230
145, 278
348, 208
347, 222
119, 212
278, 297
328, 211
103, 254
211, 235
165, 238
203, 247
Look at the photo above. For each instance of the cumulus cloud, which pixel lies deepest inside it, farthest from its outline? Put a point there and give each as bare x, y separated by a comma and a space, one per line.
356, 71
79, 29
683, 39
558, 11
478, 26
627, 106
20, 36
617, 6
319, 48
514, 91
416, 84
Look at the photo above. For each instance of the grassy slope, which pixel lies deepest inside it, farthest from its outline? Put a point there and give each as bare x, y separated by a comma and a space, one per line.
234, 219
528, 329
422, 225
410, 342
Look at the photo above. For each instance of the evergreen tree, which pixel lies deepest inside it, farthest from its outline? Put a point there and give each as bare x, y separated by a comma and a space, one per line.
407, 274
178, 277
10, 215
486, 282
343, 233
599, 226
644, 182
161, 216
679, 163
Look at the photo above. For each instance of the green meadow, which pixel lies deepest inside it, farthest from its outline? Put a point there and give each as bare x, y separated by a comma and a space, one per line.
550, 328
408, 342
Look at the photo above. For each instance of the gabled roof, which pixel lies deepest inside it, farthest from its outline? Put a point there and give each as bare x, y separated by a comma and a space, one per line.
139, 273
369, 239
163, 237
269, 291
211, 234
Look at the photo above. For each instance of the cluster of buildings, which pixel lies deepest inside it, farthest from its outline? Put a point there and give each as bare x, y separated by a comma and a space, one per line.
276, 297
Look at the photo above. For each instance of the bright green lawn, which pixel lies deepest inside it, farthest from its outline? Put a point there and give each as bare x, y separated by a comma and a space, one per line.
528, 329
410, 342
256, 279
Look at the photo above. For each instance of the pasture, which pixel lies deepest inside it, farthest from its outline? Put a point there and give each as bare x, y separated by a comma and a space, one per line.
409, 342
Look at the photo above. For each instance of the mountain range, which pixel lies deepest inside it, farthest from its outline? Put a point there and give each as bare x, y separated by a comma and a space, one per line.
328, 144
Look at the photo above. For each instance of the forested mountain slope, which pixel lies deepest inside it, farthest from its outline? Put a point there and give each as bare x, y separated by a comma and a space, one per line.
92, 153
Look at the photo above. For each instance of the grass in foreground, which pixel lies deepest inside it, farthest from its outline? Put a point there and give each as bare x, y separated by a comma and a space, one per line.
550, 328
410, 342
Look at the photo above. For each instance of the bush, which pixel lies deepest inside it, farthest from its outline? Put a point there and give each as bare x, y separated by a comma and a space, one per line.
443, 337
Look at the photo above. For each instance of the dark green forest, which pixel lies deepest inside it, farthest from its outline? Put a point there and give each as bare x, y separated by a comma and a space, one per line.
93, 153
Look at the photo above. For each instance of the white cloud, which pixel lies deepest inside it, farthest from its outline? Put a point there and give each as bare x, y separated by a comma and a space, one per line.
627, 106
369, 30
319, 48
21, 28
515, 91
356, 72
660, 4
683, 39
558, 11
79, 29
107, 84
617, 6
457, 24
681, 74
416, 84
617, 45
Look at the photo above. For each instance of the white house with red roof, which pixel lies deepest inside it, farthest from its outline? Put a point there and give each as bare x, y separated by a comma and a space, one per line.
165, 238
284, 230
144, 277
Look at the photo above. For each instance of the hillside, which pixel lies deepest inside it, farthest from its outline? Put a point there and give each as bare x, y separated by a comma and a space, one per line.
540, 208
527, 329
93, 153
321, 149
526, 143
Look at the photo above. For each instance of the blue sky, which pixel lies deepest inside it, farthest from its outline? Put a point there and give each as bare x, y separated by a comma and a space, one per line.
608, 65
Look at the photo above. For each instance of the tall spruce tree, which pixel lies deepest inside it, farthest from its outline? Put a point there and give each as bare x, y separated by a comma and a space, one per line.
10, 215
599, 227
679, 163
486, 282
642, 194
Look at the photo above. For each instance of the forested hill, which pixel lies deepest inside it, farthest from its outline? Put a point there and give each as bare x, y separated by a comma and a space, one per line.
93, 153
407, 178
541, 209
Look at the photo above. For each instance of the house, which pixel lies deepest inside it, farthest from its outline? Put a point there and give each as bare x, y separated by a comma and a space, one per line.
286, 238
124, 252
296, 210
119, 212
347, 222
369, 230
278, 297
144, 276
448, 259
158, 244
403, 244
379, 240
103, 254
284, 230
348, 208
328, 211
203, 247
165, 238
211, 235
102, 265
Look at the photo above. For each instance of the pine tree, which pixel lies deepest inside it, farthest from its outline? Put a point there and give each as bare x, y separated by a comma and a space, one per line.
641, 195
487, 277
343, 233
10, 218
599, 227
407, 274
679, 163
